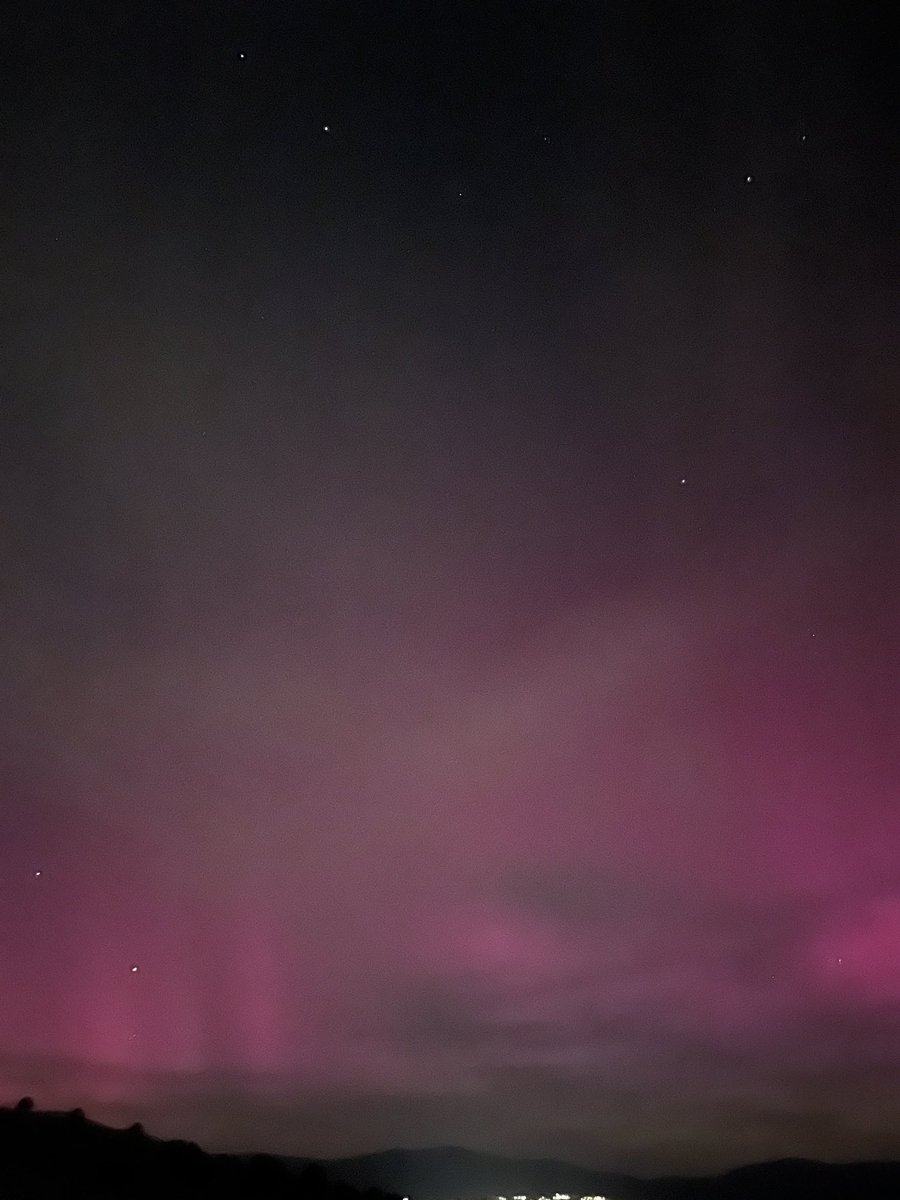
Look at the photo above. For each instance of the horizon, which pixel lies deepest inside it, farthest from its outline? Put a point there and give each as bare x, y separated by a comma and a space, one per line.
466, 1151
448, 516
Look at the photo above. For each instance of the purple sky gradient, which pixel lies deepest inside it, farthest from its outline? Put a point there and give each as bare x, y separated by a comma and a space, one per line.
462, 680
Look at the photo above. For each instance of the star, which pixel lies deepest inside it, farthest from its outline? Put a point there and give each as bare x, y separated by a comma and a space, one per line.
748, 179
683, 481
326, 129
38, 874
242, 55
135, 969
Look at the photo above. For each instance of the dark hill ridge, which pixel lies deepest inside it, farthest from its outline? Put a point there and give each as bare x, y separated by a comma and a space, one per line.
65, 1156
453, 1173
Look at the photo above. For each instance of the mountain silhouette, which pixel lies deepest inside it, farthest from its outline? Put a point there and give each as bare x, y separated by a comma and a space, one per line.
66, 1156
454, 1173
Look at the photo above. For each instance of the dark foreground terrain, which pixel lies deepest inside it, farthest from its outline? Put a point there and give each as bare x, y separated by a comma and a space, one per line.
452, 1173
56, 1155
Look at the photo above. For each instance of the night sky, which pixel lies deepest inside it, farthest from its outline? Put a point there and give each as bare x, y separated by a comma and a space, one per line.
449, 502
